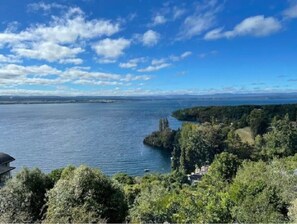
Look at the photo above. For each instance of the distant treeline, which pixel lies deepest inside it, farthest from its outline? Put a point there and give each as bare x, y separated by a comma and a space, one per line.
234, 113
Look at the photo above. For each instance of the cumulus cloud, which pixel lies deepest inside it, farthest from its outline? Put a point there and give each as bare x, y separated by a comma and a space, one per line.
48, 51
258, 26
9, 59
73, 26
150, 38
61, 40
111, 48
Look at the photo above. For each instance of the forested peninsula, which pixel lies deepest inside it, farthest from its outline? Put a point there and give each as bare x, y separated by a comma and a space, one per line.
244, 158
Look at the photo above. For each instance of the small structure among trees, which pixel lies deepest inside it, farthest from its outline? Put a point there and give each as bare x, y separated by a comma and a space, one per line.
5, 167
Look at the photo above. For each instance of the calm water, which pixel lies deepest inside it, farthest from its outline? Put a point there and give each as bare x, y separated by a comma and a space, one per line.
106, 136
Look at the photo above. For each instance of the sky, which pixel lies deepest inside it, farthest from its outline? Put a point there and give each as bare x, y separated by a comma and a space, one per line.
147, 47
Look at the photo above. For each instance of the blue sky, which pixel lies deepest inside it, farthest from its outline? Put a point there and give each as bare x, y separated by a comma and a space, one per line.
145, 47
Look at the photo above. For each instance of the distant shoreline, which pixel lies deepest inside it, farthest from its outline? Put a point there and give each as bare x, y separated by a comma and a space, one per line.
12, 102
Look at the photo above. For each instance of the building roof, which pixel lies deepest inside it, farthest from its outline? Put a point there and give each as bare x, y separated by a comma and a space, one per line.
5, 158
5, 169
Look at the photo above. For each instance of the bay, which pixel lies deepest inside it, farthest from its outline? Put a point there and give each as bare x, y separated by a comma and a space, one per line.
107, 136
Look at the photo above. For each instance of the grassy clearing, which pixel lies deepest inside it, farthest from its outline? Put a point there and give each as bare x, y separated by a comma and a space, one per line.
246, 135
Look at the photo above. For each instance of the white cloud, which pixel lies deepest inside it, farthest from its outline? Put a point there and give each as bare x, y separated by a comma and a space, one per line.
158, 61
60, 40
76, 61
129, 78
111, 48
186, 54
128, 65
158, 20
201, 20
206, 54
291, 12
150, 38
106, 61
99, 83
152, 68
9, 59
178, 12
195, 25
15, 75
132, 63
44, 6
13, 70
258, 26
48, 51
68, 29
157, 64
181, 57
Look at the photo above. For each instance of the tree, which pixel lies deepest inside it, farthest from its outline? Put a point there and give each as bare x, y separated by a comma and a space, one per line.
199, 144
163, 124
123, 178
23, 197
152, 206
88, 192
262, 192
55, 175
224, 167
281, 140
258, 121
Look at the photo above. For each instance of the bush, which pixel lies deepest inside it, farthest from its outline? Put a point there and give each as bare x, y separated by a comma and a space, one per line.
85, 195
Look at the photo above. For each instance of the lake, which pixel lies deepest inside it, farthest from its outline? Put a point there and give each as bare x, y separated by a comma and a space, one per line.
107, 136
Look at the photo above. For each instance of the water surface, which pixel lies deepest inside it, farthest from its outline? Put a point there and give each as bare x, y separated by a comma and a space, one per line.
107, 136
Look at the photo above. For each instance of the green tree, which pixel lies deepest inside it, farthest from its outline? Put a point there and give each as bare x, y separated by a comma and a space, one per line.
23, 197
152, 205
123, 178
88, 192
163, 124
281, 140
224, 167
258, 121
199, 144
209, 202
261, 192
55, 175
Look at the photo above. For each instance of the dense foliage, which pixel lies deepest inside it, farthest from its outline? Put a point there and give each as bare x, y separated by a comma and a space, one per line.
22, 199
258, 116
85, 195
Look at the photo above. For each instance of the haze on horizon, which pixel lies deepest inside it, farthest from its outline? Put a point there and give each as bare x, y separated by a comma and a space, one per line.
144, 47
